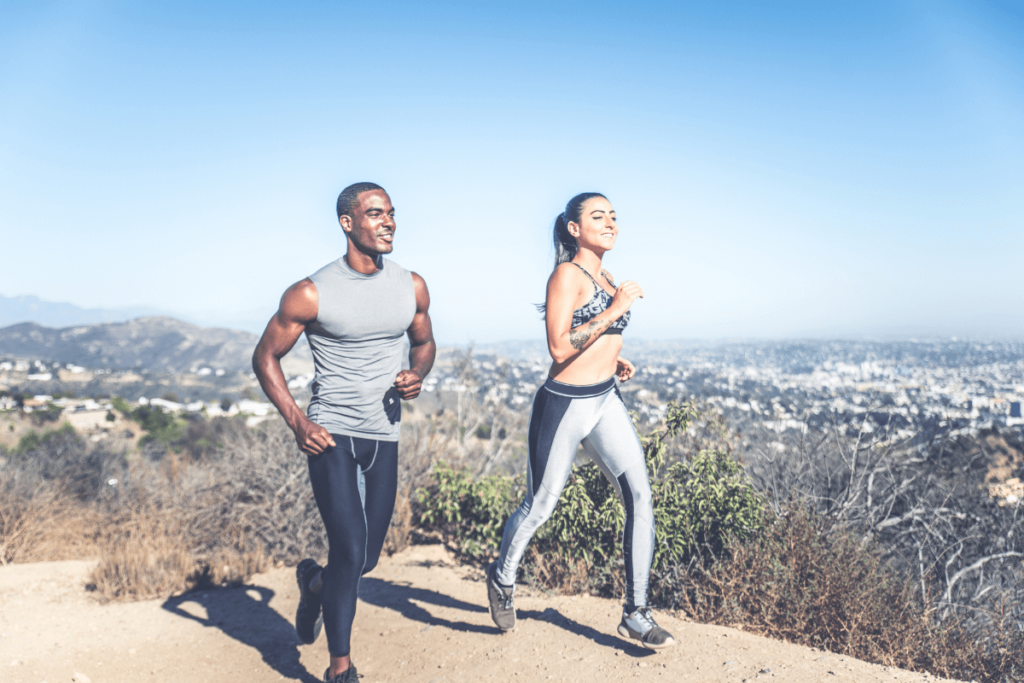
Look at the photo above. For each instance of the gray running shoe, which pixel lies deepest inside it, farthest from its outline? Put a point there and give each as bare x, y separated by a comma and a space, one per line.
502, 611
349, 675
308, 617
640, 625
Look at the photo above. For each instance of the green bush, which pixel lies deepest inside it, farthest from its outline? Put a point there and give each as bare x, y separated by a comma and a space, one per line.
470, 515
121, 406
160, 426
34, 440
698, 504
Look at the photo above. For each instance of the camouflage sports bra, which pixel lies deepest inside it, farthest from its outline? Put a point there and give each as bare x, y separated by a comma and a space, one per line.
598, 303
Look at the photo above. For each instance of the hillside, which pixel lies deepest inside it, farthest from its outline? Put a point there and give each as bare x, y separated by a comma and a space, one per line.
153, 344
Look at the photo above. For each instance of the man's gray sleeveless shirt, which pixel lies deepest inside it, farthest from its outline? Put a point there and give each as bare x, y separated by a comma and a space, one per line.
357, 342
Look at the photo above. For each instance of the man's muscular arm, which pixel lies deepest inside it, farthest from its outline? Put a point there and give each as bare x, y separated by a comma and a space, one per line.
421, 344
299, 307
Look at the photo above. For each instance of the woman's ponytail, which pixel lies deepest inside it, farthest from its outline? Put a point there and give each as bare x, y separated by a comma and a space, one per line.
565, 244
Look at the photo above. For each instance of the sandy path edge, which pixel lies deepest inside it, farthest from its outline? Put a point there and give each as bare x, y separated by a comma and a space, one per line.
422, 617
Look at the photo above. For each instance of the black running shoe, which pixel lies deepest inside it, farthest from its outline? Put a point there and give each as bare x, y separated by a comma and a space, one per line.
349, 675
308, 618
503, 612
640, 625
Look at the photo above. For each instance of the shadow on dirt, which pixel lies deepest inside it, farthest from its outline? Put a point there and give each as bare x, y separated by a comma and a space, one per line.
244, 613
403, 598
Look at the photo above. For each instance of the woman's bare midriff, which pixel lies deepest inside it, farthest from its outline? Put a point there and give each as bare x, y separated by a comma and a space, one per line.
594, 365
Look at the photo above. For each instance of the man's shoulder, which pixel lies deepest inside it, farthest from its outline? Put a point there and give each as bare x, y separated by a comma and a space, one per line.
395, 269
389, 264
331, 267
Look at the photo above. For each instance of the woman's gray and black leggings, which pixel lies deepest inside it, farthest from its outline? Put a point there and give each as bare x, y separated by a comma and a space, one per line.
565, 415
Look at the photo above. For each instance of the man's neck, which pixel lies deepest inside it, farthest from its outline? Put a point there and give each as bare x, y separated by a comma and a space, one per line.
362, 263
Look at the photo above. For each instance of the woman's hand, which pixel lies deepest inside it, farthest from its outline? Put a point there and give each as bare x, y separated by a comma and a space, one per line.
624, 370
625, 295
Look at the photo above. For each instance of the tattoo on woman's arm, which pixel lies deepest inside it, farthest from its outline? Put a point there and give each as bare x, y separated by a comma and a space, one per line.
579, 338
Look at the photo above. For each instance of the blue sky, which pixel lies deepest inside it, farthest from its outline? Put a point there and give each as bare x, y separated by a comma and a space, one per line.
779, 169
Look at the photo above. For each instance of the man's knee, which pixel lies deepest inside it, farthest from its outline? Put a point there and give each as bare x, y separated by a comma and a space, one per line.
347, 558
371, 562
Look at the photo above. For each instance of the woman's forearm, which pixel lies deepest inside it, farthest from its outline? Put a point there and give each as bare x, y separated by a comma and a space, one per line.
577, 340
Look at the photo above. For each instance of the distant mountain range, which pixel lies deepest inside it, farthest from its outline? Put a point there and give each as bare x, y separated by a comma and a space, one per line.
155, 344
24, 309
32, 309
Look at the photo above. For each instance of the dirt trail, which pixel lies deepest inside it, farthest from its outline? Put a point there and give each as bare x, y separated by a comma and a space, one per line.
421, 618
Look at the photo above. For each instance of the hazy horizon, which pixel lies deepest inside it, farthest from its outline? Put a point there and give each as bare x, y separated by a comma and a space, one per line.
780, 171
211, 319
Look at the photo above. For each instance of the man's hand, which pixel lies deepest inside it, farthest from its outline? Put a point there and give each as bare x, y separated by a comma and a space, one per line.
624, 369
408, 384
312, 438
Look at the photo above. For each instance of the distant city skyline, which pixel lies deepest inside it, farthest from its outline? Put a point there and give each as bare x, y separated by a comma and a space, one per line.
780, 170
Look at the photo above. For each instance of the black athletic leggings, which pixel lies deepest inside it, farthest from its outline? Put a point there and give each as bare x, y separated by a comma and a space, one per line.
354, 484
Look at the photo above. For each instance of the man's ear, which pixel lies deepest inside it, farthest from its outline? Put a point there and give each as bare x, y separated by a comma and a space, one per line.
346, 222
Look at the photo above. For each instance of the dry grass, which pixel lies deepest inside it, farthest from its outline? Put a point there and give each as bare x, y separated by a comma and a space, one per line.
150, 551
181, 521
402, 523
834, 592
559, 574
143, 556
42, 522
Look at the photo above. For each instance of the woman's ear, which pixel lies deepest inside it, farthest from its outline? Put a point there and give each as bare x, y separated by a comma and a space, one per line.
574, 229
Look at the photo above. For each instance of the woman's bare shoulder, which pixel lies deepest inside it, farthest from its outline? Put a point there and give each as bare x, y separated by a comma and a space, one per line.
566, 280
565, 272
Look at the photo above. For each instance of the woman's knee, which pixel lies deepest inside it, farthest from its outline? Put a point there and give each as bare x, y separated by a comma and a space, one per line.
641, 498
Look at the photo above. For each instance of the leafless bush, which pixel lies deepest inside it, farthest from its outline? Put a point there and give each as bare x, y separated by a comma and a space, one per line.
259, 486
46, 496
926, 505
475, 429
41, 521
805, 582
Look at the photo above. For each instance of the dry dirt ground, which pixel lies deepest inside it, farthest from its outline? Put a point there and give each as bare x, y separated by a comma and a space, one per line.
421, 618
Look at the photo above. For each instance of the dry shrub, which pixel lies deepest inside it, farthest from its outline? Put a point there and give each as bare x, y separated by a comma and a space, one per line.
561, 574
42, 522
148, 558
48, 487
144, 555
258, 488
180, 524
834, 592
402, 523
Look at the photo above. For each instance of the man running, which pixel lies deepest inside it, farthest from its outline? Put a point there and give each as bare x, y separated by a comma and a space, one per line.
355, 313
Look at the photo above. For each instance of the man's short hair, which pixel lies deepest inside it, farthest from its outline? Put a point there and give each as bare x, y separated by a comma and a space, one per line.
350, 195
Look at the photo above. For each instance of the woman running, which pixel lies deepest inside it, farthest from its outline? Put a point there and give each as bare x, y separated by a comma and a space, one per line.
585, 314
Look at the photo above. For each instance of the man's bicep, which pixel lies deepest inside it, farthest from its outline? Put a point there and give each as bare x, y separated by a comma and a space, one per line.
421, 329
